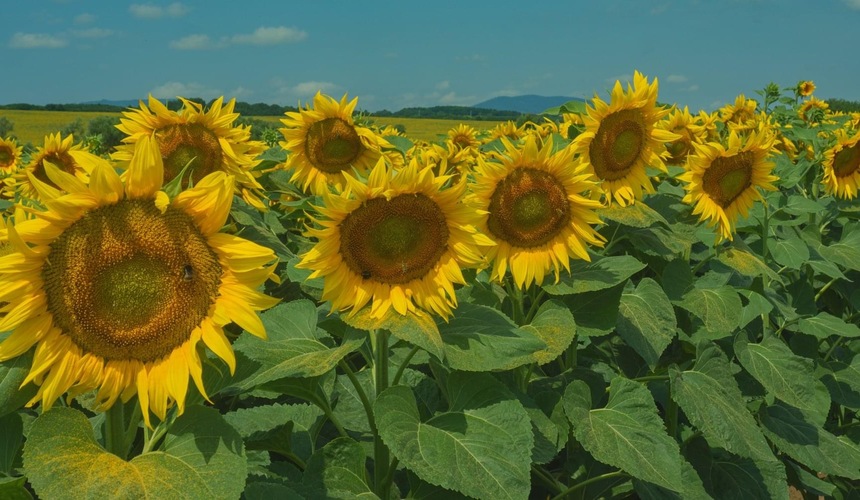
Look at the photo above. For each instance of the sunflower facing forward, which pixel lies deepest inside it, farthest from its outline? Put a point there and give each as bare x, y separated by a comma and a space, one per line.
204, 141
621, 139
325, 143
115, 285
397, 242
842, 166
60, 152
539, 209
723, 182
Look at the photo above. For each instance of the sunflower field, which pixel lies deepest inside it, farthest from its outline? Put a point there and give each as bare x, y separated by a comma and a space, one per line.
626, 300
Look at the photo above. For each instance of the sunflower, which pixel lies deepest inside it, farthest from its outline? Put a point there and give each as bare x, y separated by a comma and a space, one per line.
464, 137
116, 285
681, 122
398, 242
621, 139
539, 209
805, 88
203, 141
61, 152
723, 182
842, 166
10, 155
325, 143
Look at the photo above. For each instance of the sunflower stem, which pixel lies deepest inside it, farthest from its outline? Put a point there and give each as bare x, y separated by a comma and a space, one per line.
114, 430
381, 454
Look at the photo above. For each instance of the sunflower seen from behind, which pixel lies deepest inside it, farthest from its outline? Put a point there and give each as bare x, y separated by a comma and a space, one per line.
842, 165
116, 285
324, 143
621, 139
724, 181
201, 141
397, 242
539, 208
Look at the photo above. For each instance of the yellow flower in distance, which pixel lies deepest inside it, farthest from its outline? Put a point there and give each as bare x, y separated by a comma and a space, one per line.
621, 138
61, 152
723, 182
842, 166
539, 209
116, 285
396, 241
10, 155
205, 141
324, 143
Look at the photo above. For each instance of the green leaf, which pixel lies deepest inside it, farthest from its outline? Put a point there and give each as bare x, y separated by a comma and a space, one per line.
843, 381
627, 433
481, 452
337, 470
479, 338
809, 444
646, 320
599, 274
201, 457
636, 215
12, 488
717, 308
713, 403
12, 373
791, 252
554, 325
11, 437
785, 375
294, 347
824, 325
418, 329
747, 264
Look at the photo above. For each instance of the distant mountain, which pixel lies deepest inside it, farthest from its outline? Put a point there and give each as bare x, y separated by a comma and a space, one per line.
525, 103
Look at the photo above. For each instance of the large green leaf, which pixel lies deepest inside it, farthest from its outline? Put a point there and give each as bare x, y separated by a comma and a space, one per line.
824, 325
482, 452
479, 338
418, 329
337, 471
785, 375
713, 403
809, 444
627, 433
12, 373
295, 346
718, 309
201, 457
11, 438
646, 320
600, 273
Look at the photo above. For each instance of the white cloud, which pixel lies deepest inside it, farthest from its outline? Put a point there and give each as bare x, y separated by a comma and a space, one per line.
171, 90
151, 11
270, 36
676, 78
84, 18
852, 4
443, 85
194, 42
93, 33
36, 41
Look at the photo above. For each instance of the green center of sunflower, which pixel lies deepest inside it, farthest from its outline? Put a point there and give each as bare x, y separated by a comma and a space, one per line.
847, 161
190, 144
6, 156
618, 144
394, 241
528, 208
727, 177
64, 161
127, 282
332, 145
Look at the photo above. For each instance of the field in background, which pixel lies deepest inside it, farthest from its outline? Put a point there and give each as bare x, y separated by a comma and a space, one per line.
32, 126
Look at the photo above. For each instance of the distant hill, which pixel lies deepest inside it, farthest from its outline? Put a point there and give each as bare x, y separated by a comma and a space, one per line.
525, 103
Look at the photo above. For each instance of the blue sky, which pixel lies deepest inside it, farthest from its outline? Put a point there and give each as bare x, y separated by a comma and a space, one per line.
394, 54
